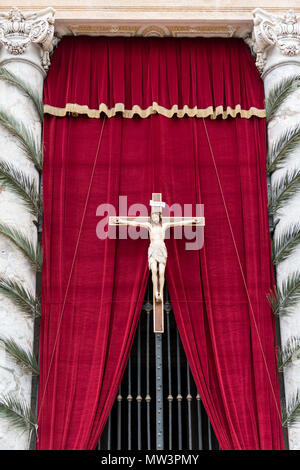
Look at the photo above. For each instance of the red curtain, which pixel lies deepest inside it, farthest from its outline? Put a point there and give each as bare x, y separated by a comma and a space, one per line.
92, 289
182, 76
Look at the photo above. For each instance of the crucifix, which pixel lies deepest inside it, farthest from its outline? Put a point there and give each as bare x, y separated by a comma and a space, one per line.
157, 225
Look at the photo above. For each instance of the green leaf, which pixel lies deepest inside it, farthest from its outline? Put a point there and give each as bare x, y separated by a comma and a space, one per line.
26, 140
279, 94
291, 413
286, 296
282, 148
21, 297
283, 190
286, 354
284, 245
32, 253
17, 412
9, 77
22, 357
22, 185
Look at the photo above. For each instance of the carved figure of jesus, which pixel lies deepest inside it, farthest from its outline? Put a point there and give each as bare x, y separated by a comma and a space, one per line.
157, 251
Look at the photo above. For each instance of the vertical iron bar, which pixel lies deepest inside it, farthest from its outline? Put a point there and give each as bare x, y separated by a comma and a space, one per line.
148, 398
189, 403
170, 397
129, 401
119, 400
200, 441
209, 436
159, 392
179, 396
109, 433
139, 396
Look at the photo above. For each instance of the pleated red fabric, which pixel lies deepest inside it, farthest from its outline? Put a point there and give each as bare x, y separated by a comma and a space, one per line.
92, 288
179, 74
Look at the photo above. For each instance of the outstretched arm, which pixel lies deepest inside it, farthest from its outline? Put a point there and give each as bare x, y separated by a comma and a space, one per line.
126, 221
196, 221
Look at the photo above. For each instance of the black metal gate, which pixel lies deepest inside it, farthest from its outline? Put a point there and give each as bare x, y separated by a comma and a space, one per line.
157, 406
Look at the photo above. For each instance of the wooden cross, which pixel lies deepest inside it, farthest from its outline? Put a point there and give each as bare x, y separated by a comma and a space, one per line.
157, 252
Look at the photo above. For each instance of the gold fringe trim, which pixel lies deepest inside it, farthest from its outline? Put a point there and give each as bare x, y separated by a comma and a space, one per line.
76, 109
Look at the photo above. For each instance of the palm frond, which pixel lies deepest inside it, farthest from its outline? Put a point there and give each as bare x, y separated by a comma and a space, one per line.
17, 412
287, 142
32, 253
279, 94
291, 412
26, 140
286, 296
286, 354
283, 190
24, 358
20, 297
23, 185
285, 244
273, 301
9, 77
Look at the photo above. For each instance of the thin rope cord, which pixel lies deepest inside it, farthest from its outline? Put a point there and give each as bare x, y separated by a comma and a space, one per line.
72, 267
241, 269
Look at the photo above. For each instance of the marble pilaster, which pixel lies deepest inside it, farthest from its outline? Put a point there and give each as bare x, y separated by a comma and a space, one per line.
25, 45
277, 46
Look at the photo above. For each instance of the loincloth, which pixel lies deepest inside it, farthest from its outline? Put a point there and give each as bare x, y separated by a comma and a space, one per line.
157, 254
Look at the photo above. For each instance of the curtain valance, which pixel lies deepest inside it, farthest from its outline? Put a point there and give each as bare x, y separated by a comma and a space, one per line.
186, 77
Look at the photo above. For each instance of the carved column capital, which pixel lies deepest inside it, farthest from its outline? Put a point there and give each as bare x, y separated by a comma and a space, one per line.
277, 36
20, 30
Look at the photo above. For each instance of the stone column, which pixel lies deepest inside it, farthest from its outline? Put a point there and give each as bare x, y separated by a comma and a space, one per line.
26, 41
277, 46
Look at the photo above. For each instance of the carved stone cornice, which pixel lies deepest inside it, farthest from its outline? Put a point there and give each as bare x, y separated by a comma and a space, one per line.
18, 30
271, 31
149, 29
